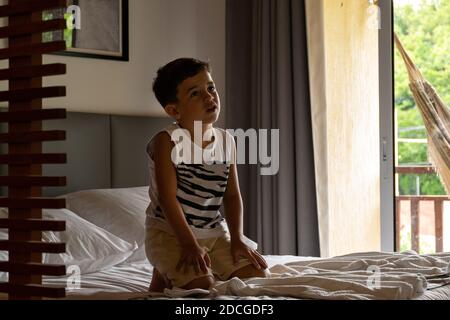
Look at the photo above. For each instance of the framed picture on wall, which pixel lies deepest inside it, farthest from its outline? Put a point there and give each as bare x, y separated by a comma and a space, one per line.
95, 29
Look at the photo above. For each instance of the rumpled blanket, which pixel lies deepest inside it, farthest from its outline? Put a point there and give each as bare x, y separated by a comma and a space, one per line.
366, 275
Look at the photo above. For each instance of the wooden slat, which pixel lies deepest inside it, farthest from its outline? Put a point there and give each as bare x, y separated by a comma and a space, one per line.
32, 93
32, 158
422, 197
32, 115
35, 27
415, 169
415, 225
36, 181
26, 203
32, 290
438, 215
30, 6
25, 93
398, 224
32, 136
32, 246
35, 268
32, 49
32, 224
33, 71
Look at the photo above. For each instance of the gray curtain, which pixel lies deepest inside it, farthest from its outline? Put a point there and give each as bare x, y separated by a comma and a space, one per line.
267, 88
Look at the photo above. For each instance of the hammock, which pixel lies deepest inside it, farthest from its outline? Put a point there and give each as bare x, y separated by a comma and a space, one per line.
436, 117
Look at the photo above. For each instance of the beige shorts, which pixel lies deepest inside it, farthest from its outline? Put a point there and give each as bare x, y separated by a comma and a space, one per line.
163, 251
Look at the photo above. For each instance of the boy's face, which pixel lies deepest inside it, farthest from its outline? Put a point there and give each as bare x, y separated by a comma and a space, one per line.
198, 100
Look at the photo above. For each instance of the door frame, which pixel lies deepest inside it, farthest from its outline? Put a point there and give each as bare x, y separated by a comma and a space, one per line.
387, 145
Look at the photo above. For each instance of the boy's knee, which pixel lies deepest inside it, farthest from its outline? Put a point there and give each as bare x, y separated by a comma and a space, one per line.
200, 283
258, 273
265, 273
250, 271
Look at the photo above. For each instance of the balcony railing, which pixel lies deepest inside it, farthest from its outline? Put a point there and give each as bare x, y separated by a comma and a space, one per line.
415, 210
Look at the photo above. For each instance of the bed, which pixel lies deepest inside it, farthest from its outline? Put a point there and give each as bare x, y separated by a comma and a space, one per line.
106, 197
105, 259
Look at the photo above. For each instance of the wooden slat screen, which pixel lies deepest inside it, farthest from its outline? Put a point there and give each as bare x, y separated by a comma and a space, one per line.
24, 159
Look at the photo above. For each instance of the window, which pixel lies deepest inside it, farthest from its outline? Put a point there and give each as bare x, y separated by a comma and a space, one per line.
422, 205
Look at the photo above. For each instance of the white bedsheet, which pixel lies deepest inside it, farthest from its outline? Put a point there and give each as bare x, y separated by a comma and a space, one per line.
360, 276
131, 280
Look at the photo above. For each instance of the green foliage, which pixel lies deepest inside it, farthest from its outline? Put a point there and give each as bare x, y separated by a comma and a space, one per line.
405, 239
424, 30
426, 243
68, 32
429, 184
412, 153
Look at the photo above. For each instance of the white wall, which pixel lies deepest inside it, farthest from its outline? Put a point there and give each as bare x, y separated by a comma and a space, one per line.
160, 31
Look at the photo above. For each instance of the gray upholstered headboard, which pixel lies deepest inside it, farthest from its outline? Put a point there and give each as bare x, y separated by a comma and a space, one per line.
103, 151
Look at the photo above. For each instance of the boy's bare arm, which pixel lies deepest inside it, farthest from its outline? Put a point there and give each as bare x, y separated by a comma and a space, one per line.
166, 180
232, 202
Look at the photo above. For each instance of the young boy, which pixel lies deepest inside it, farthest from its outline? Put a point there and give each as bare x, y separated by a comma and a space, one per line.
188, 242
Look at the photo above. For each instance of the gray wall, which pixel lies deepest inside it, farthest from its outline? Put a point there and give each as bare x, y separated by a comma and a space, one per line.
103, 151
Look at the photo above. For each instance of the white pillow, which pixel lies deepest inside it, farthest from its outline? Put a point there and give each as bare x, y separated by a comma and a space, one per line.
3, 254
89, 247
120, 211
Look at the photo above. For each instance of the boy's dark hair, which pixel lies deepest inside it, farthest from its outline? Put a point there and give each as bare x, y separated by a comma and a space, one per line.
172, 74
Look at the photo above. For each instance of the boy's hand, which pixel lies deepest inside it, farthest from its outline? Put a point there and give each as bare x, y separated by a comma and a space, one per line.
240, 249
194, 255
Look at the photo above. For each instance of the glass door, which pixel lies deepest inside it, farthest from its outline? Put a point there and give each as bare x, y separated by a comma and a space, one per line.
422, 211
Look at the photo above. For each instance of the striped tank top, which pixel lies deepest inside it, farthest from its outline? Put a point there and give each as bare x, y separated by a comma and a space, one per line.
200, 186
